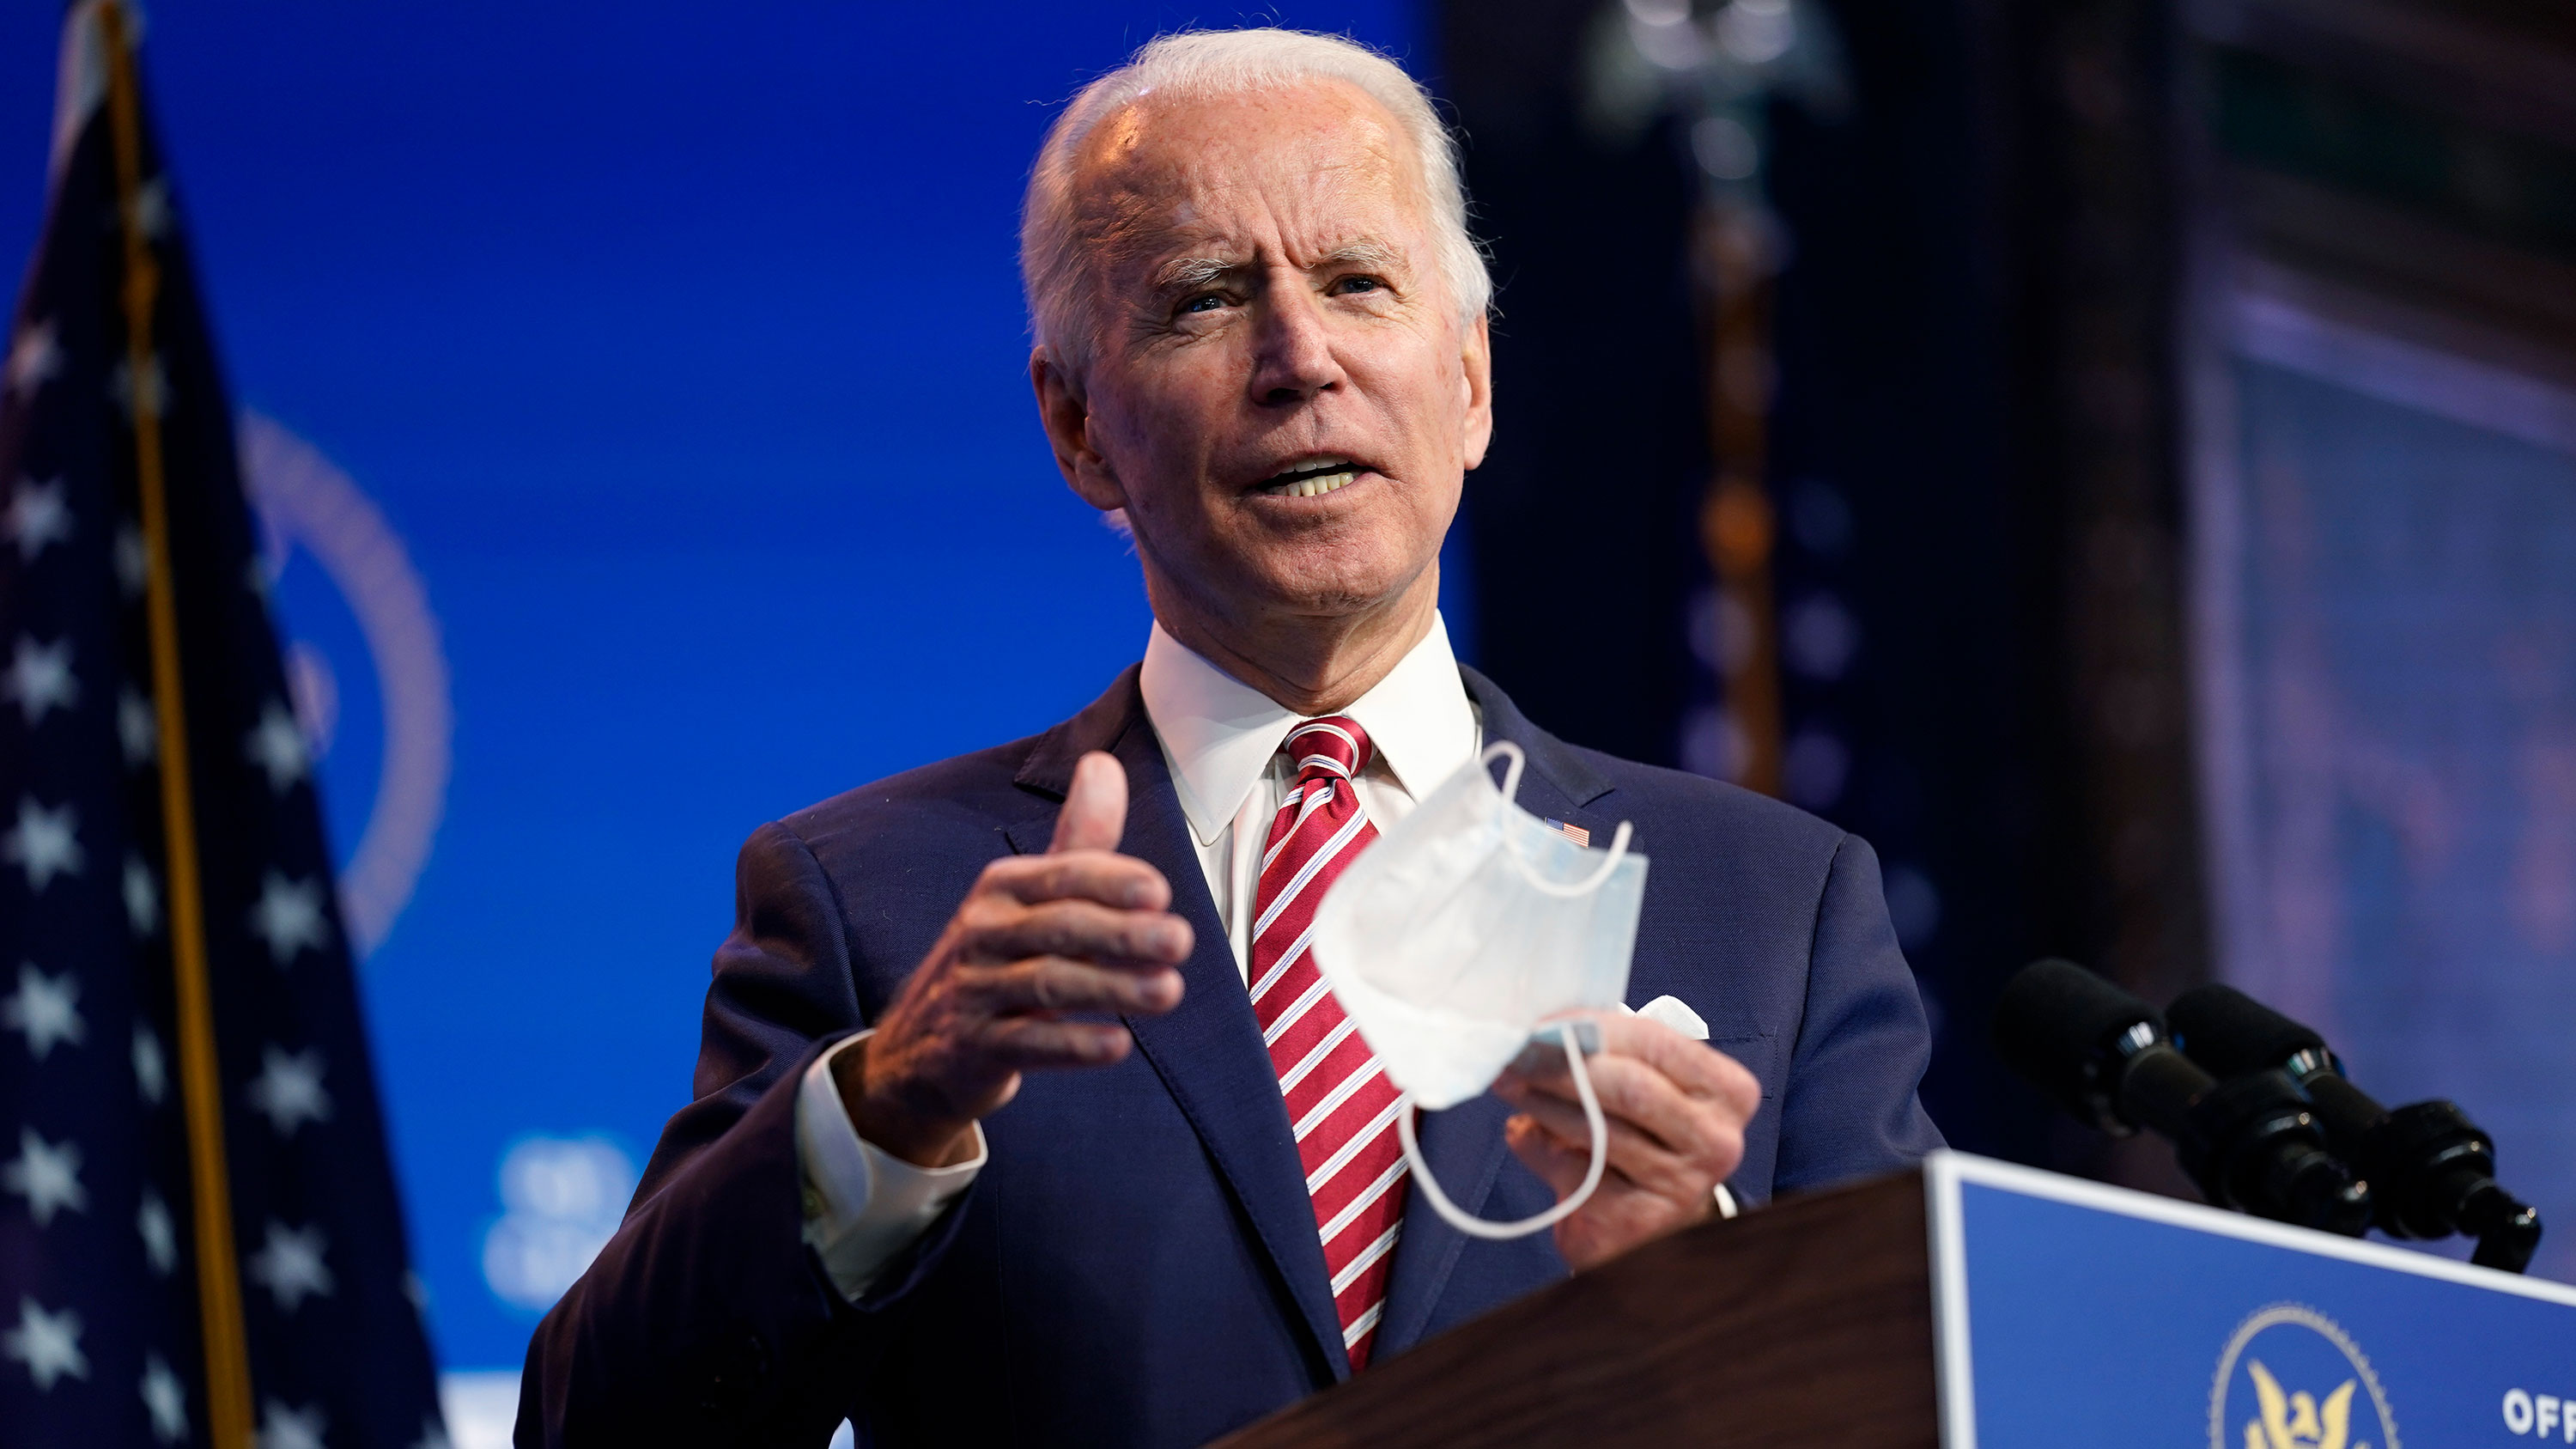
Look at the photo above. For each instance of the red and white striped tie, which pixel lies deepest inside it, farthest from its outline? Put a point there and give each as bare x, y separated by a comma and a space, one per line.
1339, 1099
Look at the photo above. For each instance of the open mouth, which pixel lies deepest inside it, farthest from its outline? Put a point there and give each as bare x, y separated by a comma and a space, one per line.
1311, 480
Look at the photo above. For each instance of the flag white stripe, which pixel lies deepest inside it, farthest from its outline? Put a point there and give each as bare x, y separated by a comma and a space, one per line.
1370, 1254
1307, 872
1361, 1325
1296, 1009
1388, 1179
1315, 1058
1333, 1099
1351, 1149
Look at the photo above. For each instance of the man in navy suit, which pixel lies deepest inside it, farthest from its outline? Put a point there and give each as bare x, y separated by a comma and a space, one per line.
1008, 1128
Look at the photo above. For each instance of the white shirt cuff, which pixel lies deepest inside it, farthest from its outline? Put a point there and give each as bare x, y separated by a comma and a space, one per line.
863, 1205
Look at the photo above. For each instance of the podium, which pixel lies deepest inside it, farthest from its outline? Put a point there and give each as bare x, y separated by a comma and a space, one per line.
1973, 1304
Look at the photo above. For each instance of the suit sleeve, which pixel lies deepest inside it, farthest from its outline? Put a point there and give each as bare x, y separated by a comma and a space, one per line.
707, 1319
1851, 1108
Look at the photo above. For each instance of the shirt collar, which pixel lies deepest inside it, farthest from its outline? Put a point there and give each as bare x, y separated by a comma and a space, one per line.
1219, 733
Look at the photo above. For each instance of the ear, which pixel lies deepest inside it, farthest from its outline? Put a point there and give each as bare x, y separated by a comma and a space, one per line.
1065, 412
1477, 385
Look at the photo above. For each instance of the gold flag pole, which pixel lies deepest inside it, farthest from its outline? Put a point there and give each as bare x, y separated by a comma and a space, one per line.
219, 1306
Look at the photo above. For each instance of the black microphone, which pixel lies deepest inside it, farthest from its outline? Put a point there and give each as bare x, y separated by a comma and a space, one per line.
2250, 1143
2432, 1172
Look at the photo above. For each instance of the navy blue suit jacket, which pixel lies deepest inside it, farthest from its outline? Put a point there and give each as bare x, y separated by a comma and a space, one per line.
1138, 1263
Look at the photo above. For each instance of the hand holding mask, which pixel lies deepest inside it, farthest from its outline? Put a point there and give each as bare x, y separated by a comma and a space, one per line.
1454, 938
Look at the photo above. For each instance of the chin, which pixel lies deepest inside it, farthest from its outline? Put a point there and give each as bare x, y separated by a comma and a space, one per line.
1338, 583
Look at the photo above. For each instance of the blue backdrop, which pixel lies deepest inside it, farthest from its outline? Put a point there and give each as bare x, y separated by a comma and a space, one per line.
647, 452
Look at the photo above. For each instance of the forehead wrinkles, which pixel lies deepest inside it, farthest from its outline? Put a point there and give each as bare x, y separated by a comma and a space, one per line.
1166, 176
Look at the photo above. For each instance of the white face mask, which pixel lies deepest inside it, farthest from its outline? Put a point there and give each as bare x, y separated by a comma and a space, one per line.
1466, 925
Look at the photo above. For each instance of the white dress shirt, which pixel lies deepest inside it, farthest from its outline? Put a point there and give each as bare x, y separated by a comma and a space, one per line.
1220, 740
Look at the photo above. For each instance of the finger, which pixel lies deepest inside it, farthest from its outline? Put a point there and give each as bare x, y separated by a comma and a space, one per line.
1082, 930
1559, 1166
1091, 875
1619, 1033
1635, 1093
1697, 1068
1634, 1155
1033, 1043
1095, 808
1630, 1146
1054, 983
1573, 1153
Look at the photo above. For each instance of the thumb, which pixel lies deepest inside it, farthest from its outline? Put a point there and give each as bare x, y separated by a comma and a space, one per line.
1095, 809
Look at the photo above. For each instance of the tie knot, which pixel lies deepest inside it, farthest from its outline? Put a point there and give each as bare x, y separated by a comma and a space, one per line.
1334, 746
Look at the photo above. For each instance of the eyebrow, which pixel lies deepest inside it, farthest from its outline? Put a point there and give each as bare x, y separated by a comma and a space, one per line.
1184, 273
1376, 256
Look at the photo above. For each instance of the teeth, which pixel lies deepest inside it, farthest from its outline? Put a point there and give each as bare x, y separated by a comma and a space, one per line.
1317, 486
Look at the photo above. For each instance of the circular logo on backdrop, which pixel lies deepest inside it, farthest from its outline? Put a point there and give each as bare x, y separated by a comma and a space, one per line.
2291, 1378
307, 505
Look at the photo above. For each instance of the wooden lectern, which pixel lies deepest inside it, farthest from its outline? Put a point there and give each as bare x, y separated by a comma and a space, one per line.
1808, 1322
1977, 1305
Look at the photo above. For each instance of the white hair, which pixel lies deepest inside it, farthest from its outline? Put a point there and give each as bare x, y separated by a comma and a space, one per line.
1202, 63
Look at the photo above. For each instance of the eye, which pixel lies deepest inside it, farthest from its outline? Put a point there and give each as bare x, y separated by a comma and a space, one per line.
1349, 286
1204, 302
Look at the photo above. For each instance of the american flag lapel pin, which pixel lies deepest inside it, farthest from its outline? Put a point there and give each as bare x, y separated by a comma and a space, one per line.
1575, 833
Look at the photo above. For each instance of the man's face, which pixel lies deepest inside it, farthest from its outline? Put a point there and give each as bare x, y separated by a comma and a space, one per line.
1281, 393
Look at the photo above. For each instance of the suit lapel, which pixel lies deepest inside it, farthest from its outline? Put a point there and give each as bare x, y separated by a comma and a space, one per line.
1464, 1149
1464, 1146
1208, 1049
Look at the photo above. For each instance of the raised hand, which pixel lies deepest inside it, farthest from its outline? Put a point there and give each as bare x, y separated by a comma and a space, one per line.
1676, 1110
1040, 939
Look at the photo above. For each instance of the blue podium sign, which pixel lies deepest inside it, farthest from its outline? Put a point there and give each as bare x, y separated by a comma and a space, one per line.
2074, 1312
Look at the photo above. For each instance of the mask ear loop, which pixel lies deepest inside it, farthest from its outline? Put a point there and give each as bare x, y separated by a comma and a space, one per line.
1529, 872
1476, 1227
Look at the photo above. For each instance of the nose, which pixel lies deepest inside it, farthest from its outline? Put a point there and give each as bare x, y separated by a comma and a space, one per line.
1292, 359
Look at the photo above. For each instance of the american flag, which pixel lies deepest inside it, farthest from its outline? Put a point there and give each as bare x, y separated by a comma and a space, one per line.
199, 1237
